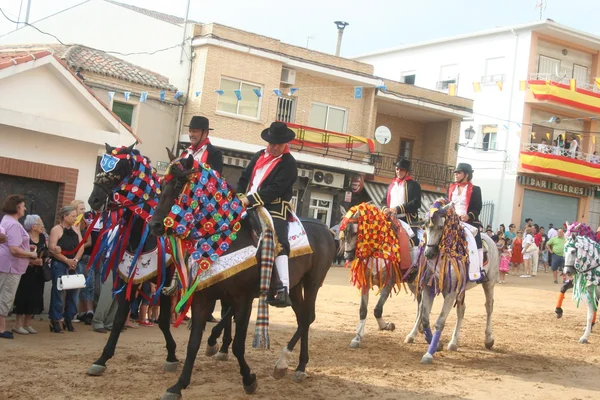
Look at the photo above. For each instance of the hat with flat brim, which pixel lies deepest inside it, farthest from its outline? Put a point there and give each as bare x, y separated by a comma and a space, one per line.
463, 167
403, 163
278, 133
199, 122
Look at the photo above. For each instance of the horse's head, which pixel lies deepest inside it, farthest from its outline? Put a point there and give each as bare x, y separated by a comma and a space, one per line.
115, 166
349, 235
180, 171
437, 219
570, 254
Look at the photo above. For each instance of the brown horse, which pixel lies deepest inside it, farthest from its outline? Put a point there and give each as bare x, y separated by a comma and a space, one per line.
307, 273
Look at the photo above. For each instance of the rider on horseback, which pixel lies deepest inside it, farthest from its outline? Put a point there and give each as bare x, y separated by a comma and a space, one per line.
404, 200
467, 203
200, 147
268, 181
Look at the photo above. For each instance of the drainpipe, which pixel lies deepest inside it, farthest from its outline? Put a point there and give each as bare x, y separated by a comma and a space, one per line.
340, 25
507, 154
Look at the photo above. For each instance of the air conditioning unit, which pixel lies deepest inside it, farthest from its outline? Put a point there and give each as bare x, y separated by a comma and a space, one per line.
288, 76
326, 178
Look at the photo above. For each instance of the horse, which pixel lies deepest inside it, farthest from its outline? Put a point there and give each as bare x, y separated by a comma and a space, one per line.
443, 269
307, 273
124, 171
582, 263
369, 272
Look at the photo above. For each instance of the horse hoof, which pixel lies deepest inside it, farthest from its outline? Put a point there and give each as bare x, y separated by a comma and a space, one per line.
390, 327
96, 370
427, 359
489, 345
559, 312
420, 328
299, 376
583, 341
211, 350
409, 340
354, 344
452, 347
279, 373
170, 366
170, 396
250, 389
222, 356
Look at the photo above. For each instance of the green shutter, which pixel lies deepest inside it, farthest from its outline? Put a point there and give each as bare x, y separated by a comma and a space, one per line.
123, 111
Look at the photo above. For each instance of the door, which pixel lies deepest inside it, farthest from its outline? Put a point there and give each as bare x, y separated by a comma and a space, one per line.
41, 197
321, 205
545, 208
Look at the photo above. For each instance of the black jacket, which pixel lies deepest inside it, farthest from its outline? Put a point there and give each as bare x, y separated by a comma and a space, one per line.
215, 158
412, 202
275, 191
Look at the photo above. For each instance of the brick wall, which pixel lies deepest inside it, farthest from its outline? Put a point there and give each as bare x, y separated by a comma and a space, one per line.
401, 128
66, 177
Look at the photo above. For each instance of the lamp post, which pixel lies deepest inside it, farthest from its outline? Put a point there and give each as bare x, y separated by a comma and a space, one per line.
340, 26
469, 133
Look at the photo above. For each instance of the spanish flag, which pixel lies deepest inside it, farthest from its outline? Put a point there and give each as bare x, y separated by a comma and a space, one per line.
573, 85
500, 84
452, 89
523, 86
598, 82
477, 87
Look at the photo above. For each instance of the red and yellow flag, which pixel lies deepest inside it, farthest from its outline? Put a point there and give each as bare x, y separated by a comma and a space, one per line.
500, 84
573, 85
477, 87
452, 89
523, 86
561, 166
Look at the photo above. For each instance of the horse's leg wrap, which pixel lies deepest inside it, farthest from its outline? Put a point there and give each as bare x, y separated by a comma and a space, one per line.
434, 342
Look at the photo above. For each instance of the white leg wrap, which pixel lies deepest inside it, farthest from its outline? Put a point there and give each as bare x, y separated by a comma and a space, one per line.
281, 262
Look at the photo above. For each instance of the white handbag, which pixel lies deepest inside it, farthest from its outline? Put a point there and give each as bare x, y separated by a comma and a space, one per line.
68, 282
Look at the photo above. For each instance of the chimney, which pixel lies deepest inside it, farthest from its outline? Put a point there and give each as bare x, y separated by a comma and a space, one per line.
340, 25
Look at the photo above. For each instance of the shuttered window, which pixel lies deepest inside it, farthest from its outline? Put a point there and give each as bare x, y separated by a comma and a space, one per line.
123, 111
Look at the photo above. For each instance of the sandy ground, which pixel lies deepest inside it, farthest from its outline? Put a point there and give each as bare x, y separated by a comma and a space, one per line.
535, 356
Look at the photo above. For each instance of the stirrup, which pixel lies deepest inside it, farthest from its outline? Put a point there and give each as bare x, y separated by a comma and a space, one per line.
484, 278
280, 298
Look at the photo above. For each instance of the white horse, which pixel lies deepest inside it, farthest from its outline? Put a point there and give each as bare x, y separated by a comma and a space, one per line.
377, 277
453, 294
582, 262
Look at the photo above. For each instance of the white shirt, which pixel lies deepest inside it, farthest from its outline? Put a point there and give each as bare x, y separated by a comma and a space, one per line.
260, 173
460, 201
573, 148
197, 154
398, 196
552, 233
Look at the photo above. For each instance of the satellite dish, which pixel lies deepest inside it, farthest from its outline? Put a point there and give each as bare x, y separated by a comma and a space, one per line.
383, 135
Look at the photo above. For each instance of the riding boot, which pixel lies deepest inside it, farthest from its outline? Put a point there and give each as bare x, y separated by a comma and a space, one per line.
281, 298
484, 277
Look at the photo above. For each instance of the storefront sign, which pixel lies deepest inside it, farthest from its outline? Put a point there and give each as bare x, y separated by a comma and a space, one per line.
357, 183
555, 186
348, 197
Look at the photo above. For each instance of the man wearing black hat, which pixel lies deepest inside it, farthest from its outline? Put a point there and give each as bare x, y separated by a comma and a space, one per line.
201, 148
404, 200
268, 181
467, 204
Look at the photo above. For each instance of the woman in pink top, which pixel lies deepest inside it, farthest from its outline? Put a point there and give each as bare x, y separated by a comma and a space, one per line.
14, 256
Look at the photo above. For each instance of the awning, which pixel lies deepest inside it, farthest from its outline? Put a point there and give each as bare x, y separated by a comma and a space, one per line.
378, 192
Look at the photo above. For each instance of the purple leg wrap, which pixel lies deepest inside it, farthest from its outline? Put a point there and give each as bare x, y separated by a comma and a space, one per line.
428, 335
434, 342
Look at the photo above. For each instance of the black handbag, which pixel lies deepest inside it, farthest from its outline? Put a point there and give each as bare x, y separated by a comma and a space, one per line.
47, 269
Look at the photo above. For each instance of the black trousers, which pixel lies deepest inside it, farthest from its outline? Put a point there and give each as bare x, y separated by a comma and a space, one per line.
281, 230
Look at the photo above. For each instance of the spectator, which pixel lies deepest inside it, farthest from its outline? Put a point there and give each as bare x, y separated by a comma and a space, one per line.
86, 295
29, 300
15, 254
511, 234
528, 248
336, 237
528, 223
64, 239
535, 255
556, 247
555, 148
551, 232
573, 148
517, 253
597, 235
543, 146
543, 251
504, 263
502, 229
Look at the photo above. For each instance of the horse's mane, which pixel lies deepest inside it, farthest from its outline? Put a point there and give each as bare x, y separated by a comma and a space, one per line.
581, 229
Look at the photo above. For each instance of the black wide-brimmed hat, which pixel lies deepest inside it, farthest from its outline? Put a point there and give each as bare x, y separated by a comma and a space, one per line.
463, 167
278, 133
199, 122
403, 163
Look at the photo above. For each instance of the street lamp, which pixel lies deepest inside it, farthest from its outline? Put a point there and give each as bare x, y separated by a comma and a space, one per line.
469, 133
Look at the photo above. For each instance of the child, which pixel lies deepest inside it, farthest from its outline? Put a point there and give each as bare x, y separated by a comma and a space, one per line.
504, 263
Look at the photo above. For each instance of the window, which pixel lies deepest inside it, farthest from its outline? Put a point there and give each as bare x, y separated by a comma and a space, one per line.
494, 70
405, 148
448, 75
124, 111
490, 133
408, 77
327, 117
320, 207
549, 66
294, 200
539, 132
286, 109
249, 106
580, 74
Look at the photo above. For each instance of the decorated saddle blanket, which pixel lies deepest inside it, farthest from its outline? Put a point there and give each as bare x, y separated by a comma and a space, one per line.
230, 264
146, 266
474, 265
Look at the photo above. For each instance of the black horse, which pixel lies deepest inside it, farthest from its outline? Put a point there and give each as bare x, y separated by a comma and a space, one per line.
307, 274
105, 185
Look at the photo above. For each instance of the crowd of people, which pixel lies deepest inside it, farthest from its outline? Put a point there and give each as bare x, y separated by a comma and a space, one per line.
525, 251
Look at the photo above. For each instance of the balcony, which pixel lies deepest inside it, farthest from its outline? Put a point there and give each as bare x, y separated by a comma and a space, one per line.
423, 171
585, 95
556, 161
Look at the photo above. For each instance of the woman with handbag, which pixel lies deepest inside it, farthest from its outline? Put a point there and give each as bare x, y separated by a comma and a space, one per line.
63, 241
15, 254
29, 300
528, 248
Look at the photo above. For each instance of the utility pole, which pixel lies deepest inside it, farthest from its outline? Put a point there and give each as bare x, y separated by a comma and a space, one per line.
187, 12
542, 8
308, 40
340, 25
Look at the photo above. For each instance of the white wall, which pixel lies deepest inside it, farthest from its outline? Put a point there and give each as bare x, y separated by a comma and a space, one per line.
495, 171
110, 27
36, 147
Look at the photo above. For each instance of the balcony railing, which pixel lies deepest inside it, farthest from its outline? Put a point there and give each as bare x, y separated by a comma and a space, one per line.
565, 80
561, 152
423, 171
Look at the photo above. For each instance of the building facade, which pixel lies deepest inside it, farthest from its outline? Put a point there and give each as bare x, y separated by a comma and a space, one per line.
528, 82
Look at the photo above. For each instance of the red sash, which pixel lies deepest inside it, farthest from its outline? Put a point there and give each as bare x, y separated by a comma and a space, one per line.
262, 161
